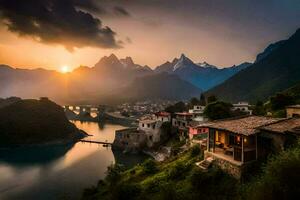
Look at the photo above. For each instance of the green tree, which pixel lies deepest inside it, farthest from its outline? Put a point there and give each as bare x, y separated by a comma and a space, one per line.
280, 100
177, 107
149, 166
202, 100
194, 101
218, 110
280, 178
259, 109
211, 99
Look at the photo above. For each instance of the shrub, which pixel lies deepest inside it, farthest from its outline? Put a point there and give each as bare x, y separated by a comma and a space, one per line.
114, 174
195, 150
149, 166
280, 178
126, 191
177, 171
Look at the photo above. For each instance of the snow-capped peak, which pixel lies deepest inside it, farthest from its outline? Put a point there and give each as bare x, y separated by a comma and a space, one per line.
183, 62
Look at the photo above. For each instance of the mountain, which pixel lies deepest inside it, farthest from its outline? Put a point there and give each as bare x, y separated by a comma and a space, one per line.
98, 84
160, 86
166, 67
201, 75
269, 50
35, 122
274, 72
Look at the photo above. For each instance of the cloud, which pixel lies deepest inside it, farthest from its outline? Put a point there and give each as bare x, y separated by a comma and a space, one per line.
68, 23
121, 11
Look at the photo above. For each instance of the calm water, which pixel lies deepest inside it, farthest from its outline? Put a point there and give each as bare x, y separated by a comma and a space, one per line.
59, 172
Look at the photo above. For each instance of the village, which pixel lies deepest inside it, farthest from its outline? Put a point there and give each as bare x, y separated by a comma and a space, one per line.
233, 144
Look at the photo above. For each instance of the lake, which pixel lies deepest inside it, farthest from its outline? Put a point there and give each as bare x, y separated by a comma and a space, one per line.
62, 171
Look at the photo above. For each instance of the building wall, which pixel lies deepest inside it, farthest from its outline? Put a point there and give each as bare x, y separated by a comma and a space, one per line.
292, 112
129, 140
163, 118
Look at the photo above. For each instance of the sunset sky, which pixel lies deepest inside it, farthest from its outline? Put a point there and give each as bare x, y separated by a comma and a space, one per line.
54, 33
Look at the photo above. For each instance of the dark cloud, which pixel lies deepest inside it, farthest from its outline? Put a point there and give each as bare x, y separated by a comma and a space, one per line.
121, 11
58, 22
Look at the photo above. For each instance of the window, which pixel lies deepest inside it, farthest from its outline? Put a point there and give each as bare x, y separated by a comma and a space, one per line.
153, 126
148, 125
150, 137
143, 125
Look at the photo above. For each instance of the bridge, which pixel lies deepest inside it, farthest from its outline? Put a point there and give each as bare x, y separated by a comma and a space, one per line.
96, 142
84, 111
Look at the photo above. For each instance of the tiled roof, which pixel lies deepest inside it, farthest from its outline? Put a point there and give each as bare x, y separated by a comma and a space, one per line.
164, 114
148, 121
184, 113
287, 125
294, 106
245, 126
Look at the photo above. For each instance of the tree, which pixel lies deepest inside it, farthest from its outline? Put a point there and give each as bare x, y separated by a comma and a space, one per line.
280, 177
202, 100
280, 100
212, 98
218, 110
259, 109
177, 107
194, 101
149, 166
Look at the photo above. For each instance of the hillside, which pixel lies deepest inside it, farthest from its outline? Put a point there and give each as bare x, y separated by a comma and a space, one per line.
276, 71
159, 86
179, 178
35, 122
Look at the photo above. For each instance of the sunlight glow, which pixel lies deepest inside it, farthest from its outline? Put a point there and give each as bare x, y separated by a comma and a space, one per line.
65, 69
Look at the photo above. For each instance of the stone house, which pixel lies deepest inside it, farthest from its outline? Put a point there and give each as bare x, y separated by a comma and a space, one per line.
293, 111
146, 135
235, 143
129, 140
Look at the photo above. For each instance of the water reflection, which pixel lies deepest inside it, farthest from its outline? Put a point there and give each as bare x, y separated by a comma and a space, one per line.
56, 172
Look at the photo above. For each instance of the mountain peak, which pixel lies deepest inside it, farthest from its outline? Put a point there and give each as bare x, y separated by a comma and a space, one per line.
127, 62
183, 62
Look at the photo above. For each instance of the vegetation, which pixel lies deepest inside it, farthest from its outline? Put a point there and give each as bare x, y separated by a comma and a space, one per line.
179, 178
280, 178
35, 122
177, 107
218, 110
277, 104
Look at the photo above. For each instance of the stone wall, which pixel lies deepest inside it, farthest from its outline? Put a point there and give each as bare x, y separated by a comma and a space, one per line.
129, 140
226, 166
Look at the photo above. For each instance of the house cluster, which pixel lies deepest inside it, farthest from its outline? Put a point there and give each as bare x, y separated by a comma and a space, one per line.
186, 122
235, 144
148, 133
139, 109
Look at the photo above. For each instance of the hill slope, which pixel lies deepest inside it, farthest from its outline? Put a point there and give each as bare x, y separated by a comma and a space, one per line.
28, 122
160, 86
275, 72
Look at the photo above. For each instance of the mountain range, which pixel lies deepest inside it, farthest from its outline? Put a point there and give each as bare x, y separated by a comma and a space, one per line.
276, 69
110, 78
201, 75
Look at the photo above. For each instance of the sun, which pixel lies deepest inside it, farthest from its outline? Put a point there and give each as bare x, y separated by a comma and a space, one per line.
65, 69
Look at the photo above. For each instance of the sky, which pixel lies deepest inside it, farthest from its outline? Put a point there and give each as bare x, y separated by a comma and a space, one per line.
55, 33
